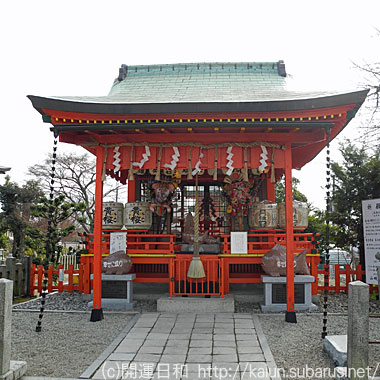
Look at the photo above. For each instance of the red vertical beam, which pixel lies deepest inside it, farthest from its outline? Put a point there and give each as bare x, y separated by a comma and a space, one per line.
131, 190
290, 315
270, 189
97, 312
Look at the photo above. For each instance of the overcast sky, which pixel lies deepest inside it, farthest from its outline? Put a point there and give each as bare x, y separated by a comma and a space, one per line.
76, 47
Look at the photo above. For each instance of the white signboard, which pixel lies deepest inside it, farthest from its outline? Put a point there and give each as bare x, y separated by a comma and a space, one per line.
118, 242
371, 227
239, 242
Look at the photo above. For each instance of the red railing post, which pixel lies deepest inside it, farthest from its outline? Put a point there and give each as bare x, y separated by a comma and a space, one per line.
314, 273
50, 278
171, 277
80, 278
61, 276
40, 274
337, 278
359, 273
348, 277
71, 278
32, 279
221, 278
86, 277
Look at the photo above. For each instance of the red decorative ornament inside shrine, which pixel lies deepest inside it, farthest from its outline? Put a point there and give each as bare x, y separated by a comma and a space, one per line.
234, 129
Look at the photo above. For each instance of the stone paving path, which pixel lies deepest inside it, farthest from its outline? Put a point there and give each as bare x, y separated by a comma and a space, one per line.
191, 346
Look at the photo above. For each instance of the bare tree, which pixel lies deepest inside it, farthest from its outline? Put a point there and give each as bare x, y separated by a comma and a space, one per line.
74, 178
371, 128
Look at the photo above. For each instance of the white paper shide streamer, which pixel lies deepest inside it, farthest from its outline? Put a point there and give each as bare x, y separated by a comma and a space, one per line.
175, 159
116, 162
230, 161
198, 164
264, 157
145, 158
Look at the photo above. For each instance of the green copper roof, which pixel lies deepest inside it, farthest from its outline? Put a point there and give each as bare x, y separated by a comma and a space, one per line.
199, 83
196, 82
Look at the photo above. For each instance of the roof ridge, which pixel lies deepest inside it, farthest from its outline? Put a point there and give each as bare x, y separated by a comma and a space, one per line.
276, 68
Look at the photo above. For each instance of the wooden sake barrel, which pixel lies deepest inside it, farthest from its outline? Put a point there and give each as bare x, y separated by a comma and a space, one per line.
300, 215
113, 213
263, 215
137, 216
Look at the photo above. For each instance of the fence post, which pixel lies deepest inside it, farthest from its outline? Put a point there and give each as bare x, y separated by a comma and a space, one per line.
71, 278
86, 278
348, 277
26, 269
61, 277
10, 263
337, 278
80, 279
358, 328
6, 296
3, 270
50, 278
40, 274
18, 280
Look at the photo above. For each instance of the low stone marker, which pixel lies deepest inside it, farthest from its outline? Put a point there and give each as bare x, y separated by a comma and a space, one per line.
8, 369
358, 328
350, 352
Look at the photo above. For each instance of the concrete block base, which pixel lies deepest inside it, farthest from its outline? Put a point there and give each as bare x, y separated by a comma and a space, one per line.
277, 308
196, 304
16, 371
115, 304
270, 307
336, 348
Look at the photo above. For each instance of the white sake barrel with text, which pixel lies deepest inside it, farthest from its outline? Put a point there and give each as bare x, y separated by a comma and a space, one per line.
300, 215
137, 216
113, 214
263, 215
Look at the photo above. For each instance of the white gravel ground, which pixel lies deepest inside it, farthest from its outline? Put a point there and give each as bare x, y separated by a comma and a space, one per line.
300, 344
67, 344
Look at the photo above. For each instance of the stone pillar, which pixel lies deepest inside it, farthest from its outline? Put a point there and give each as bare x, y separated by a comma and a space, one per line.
358, 329
6, 293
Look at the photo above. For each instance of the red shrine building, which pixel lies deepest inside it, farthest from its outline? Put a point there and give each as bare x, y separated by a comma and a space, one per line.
200, 147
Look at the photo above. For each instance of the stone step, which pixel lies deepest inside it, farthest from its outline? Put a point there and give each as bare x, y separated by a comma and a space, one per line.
196, 304
336, 348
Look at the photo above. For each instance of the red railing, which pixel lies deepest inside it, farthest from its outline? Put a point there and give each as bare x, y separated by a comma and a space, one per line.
219, 272
261, 242
56, 279
246, 268
340, 279
211, 284
138, 242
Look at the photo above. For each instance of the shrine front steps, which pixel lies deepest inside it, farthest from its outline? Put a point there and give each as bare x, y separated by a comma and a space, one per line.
196, 304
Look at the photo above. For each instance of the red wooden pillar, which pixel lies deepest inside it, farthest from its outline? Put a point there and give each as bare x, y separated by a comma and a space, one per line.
290, 315
131, 190
97, 311
270, 189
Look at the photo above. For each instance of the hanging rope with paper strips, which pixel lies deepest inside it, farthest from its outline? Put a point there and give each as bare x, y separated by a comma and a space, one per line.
175, 159
145, 158
116, 162
197, 165
264, 158
238, 156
